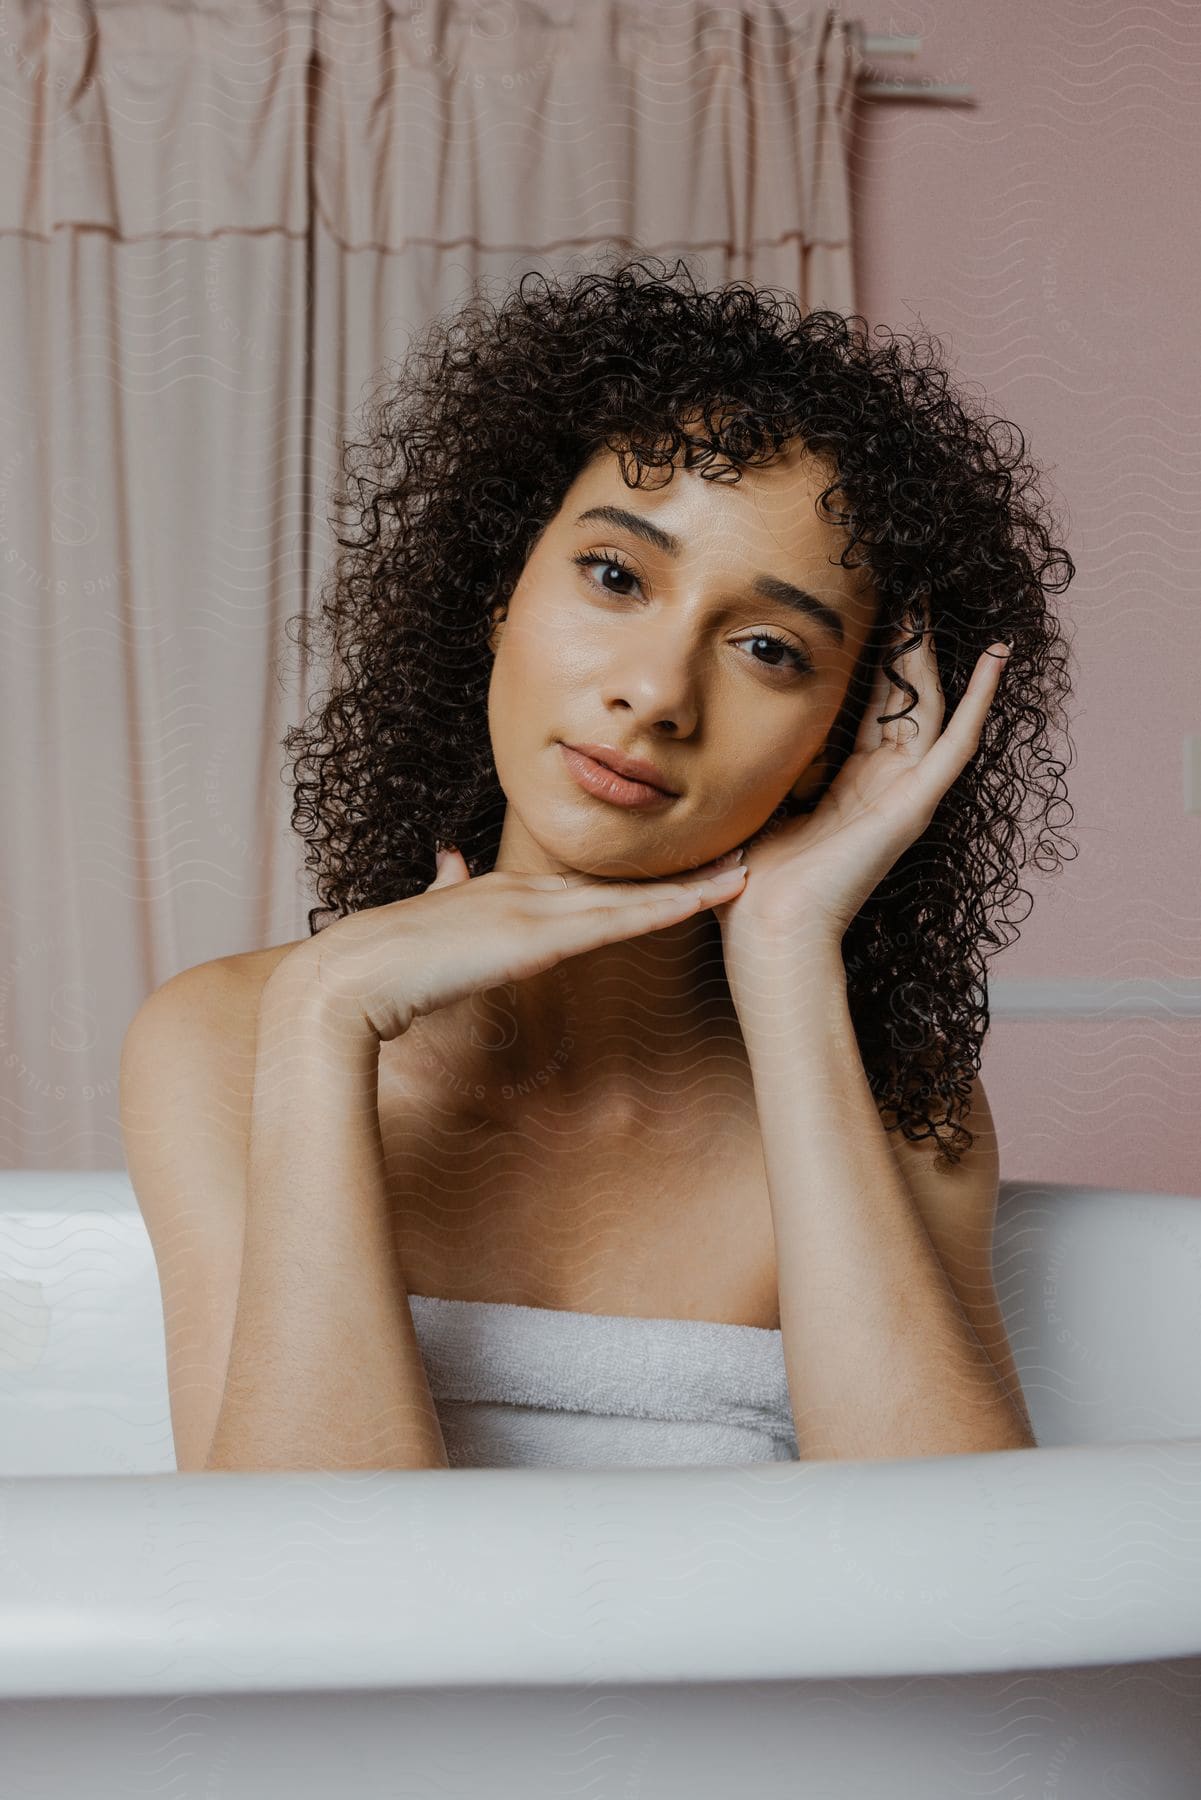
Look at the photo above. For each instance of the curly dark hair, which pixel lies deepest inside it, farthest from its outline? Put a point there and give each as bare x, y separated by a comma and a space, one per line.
468, 455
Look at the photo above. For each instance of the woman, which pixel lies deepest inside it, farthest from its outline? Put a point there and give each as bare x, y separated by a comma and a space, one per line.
623, 528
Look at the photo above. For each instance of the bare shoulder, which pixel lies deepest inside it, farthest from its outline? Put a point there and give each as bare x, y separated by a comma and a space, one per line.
252, 967
186, 1090
193, 1039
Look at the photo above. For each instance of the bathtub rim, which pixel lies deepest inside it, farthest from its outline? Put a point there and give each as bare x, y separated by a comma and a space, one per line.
272, 1582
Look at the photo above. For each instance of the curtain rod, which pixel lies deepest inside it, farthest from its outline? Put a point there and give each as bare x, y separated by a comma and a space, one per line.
906, 90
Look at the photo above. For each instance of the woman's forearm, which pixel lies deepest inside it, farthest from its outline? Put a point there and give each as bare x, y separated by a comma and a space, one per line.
325, 1371
880, 1358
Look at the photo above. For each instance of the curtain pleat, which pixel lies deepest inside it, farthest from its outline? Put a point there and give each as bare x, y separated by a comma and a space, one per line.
219, 224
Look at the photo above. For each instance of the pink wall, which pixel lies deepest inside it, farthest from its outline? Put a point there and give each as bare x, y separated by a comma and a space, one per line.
1046, 233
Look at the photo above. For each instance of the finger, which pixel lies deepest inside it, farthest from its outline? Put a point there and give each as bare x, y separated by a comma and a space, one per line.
451, 868
606, 915
959, 740
931, 699
924, 724
676, 894
729, 859
918, 729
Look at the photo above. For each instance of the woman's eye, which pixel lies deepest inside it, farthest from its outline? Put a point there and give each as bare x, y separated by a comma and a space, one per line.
794, 658
586, 561
782, 654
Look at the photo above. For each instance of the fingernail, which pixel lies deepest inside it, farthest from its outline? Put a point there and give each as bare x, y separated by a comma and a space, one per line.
730, 858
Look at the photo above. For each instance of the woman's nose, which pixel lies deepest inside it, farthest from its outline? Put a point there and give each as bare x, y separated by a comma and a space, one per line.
659, 686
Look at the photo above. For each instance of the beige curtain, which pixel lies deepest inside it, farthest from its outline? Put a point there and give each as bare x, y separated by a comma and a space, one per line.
218, 225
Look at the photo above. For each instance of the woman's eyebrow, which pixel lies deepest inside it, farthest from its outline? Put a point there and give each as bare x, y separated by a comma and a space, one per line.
768, 587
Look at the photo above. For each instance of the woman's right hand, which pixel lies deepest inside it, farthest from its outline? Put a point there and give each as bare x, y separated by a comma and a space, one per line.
390, 964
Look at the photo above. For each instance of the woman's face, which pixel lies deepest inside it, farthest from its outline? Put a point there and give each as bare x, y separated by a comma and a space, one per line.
665, 652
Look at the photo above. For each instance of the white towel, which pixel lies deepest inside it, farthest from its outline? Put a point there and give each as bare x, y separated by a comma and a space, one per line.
531, 1385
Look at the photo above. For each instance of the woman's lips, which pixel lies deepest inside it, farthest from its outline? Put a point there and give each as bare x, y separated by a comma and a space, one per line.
596, 779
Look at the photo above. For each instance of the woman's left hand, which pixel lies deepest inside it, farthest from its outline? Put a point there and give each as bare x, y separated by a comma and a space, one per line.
811, 874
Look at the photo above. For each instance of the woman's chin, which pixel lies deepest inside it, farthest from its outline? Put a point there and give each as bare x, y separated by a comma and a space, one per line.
659, 870
648, 859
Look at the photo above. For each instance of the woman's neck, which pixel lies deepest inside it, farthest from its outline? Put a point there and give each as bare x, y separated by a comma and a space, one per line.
597, 1031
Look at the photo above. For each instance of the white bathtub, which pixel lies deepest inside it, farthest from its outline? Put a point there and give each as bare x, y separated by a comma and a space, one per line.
1024, 1625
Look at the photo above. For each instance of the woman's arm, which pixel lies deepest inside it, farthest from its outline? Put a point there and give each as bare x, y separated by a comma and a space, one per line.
880, 1356
325, 1370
